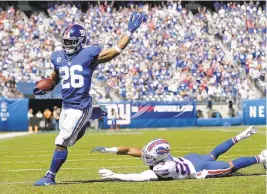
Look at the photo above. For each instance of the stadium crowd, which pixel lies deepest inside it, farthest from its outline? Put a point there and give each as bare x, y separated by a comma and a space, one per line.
175, 55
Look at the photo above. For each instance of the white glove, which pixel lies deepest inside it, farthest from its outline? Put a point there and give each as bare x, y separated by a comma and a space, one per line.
99, 149
106, 174
102, 149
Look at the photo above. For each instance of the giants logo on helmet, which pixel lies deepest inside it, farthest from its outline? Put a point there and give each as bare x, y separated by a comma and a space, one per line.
82, 32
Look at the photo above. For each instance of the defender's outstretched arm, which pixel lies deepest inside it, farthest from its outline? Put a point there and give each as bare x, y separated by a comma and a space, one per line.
136, 152
110, 53
147, 175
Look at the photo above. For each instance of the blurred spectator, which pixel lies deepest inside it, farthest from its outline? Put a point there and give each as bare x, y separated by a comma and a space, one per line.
47, 116
175, 55
40, 120
33, 121
114, 117
231, 112
56, 115
209, 106
30, 119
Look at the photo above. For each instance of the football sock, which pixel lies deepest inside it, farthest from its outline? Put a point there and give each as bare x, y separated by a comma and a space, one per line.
245, 162
59, 158
222, 148
238, 137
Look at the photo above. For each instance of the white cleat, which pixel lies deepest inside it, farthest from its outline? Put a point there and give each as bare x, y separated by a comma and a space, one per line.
248, 132
262, 158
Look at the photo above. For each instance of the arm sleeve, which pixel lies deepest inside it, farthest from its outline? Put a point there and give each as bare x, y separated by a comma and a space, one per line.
95, 50
147, 175
93, 54
53, 61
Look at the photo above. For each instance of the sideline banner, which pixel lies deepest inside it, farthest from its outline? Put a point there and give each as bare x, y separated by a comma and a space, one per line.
254, 112
151, 114
13, 114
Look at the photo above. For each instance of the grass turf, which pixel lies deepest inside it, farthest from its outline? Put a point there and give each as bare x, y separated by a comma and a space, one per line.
23, 160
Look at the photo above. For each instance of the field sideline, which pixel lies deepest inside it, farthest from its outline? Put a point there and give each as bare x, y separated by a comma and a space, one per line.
23, 160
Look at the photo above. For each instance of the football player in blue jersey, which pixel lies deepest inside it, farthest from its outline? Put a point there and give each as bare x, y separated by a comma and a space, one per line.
164, 166
74, 67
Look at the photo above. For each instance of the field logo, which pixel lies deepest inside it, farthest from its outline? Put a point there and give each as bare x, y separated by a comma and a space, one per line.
123, 112
4, 114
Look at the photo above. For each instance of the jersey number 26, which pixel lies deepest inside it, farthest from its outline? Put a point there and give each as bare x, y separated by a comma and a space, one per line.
76, 80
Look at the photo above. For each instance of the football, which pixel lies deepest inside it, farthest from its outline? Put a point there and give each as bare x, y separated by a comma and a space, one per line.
46, 84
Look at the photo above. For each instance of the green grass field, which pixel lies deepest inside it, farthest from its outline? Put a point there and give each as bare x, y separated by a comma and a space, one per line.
23, 160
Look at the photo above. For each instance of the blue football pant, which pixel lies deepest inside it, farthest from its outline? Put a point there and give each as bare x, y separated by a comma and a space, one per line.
219, 168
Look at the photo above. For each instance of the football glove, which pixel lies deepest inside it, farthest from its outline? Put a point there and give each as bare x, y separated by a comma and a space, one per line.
135, 21
37, 91
99, 149
106, 174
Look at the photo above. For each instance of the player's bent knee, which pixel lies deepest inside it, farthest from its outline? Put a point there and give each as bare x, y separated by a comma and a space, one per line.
60, 148
63, 141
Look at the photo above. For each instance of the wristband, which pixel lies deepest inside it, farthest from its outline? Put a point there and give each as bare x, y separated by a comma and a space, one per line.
118, 49
128, 33
112, 150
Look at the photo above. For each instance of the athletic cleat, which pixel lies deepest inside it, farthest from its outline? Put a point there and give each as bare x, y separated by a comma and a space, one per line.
263, 157
248, 132
48, 179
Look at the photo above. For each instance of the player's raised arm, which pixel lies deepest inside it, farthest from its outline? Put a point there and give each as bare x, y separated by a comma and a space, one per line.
136, 152
147, 175
108, 54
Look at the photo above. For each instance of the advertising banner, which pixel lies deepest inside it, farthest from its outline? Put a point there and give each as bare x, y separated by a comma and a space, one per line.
254, 112
13, 114
151, 114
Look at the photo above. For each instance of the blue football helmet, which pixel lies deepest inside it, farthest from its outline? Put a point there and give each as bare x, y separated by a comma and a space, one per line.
74, 38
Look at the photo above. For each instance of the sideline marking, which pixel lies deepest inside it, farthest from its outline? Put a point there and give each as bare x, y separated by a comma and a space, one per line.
14, 134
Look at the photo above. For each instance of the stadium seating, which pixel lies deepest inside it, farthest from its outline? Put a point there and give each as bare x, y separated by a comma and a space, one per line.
175, 55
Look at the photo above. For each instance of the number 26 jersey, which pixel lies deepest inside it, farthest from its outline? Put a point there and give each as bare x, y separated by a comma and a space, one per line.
75, 74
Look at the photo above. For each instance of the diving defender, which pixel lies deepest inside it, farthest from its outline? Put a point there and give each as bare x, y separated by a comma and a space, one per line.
74, 67
164, 166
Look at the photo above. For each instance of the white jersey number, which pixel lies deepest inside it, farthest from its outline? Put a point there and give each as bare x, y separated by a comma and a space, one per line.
76, 80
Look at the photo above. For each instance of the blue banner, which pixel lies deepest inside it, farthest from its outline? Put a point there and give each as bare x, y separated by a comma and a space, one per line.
13, 114
151, 114
254, 112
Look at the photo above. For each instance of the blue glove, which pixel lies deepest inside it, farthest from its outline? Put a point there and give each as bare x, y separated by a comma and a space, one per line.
36, 91
135, 21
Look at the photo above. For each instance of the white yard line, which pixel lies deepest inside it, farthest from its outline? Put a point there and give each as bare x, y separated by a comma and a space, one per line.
96, 159
93, 167
184, 150
90, 159
31, 182
41, 149
13, 134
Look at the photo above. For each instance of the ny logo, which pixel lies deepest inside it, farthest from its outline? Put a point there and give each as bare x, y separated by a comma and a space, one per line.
82, 32
123, 112
67, 34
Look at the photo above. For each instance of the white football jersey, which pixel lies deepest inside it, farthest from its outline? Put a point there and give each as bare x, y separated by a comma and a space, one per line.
175, 168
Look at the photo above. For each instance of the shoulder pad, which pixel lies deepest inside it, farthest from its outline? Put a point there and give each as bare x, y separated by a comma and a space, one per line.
93, 50
55, 55
161, 169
